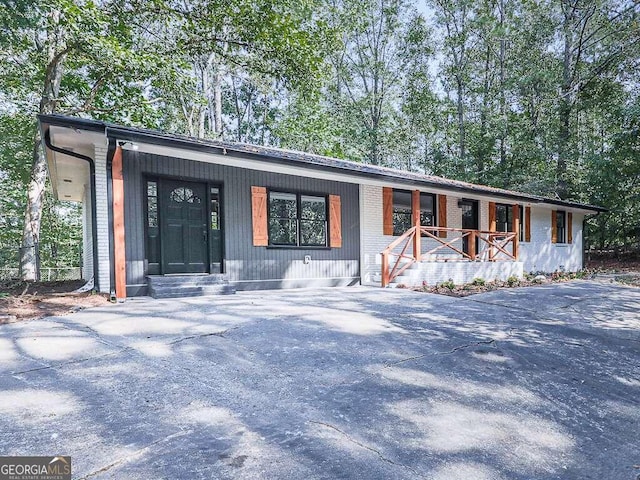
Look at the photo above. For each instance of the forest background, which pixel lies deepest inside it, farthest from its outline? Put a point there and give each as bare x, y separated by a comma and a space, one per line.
540, 96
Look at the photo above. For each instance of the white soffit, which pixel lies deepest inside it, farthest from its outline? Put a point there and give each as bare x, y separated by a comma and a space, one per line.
69, 174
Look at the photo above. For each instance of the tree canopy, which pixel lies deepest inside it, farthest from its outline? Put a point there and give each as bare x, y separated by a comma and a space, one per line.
541, 97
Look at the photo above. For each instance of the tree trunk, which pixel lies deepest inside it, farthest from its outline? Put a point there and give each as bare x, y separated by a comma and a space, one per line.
503, 101
565, 106
461, 127
217, 101
37, 182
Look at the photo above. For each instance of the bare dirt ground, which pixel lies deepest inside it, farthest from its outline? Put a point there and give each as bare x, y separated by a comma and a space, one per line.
30, 300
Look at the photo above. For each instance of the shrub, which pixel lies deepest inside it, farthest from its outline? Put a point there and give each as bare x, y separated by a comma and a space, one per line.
478, 282
448, 284
512, 281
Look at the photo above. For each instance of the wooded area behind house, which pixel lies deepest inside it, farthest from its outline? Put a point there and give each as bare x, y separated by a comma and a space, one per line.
537, 96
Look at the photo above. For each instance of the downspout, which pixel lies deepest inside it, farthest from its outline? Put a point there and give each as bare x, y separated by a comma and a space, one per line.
94, 217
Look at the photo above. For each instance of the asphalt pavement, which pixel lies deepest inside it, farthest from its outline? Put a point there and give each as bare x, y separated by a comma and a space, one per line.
354, 383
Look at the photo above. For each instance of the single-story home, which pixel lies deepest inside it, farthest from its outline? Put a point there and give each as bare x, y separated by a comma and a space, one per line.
196, 213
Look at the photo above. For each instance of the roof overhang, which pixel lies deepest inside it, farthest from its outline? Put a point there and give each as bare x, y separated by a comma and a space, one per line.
82, 135
69, 175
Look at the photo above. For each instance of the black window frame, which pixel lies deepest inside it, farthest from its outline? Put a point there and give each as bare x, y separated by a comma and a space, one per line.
402, 211
508, 225
561, 231
521, 235
299, 220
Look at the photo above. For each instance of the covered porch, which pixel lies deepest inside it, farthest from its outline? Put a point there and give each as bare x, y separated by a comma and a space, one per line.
433, 254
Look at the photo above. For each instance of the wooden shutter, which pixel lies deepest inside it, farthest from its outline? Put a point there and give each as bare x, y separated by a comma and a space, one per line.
527, 224
335, 222
569, 227
387, 211
442, 214
515, 209
554, 227
259, 216
492, 217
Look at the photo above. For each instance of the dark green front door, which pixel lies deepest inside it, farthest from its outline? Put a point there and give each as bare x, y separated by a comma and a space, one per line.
183, 229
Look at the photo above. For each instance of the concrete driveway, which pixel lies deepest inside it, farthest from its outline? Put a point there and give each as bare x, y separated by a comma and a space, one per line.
334, 383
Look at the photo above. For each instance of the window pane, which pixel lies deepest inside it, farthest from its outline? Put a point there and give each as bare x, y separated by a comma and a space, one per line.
152, 212
313, 232
426, 219
504, 218
560, 224
401, 198
521, 224
215, 208
401, 221
426, 203
152, 204
401, 211
313, 208
282, 205
283, 231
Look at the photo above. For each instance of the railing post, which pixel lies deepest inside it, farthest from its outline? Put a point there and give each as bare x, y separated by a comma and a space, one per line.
415, 210
385, 269
492, 239
516, 231
472, 245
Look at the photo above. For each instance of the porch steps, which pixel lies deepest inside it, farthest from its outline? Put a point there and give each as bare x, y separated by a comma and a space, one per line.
176, 286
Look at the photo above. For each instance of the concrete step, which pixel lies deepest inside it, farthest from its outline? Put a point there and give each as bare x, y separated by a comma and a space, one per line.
175, 286
179, 292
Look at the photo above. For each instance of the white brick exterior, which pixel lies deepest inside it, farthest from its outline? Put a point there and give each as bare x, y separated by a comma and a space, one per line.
102, 218
538, 255
459, 273
87, 234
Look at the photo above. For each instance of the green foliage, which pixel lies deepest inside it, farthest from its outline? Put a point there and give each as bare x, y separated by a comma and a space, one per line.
531, 96
449, 285
513, 281
478, 282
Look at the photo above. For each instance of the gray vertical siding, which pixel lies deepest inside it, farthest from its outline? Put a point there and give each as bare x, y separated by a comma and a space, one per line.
252, 267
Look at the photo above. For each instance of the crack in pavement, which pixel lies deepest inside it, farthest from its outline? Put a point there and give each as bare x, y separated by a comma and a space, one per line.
366, 447
135, 454
221, 333
71, 362
462, 347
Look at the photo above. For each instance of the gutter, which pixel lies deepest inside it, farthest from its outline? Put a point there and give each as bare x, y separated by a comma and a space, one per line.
94, 225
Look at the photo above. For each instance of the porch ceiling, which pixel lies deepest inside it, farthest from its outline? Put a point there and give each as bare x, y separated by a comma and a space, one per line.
68, 174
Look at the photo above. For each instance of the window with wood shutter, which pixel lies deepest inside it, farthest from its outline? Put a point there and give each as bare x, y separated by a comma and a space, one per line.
527, 224
554, 227
569, 227
335, 221
503, 218
442, 214
259, 216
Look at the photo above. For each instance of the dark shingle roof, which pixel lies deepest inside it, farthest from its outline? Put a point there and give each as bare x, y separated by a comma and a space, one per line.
307, 160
